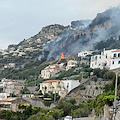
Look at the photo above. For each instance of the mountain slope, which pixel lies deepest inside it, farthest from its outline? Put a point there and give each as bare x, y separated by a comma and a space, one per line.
81, 35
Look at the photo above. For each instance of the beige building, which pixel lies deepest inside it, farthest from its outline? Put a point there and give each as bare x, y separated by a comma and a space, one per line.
12, 103
70, 64
14, 88
53, 86
51, 71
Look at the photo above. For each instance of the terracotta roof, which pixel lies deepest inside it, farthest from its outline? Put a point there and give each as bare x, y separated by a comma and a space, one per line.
9, 99
50, 81
53, 68
118, 50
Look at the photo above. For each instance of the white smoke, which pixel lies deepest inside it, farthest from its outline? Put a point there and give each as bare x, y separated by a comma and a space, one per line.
104, 26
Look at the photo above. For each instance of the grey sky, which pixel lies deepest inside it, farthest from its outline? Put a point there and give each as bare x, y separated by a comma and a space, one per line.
21, 19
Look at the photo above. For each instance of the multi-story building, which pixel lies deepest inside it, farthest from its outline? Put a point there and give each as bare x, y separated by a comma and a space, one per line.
53, 86
70, 64
115, 59
12, 103
13, 88
62, 87
99, 61
51, 71
108, 59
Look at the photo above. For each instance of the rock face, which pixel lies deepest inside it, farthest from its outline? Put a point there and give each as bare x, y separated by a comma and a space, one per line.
79, 23
46, 34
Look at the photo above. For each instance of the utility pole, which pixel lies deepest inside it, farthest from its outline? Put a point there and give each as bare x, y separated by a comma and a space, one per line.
114, 111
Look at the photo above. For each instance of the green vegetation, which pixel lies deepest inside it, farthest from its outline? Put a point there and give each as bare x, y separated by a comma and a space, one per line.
67, 107
72, 71
105, 74
66, 74
30, 72
109, 44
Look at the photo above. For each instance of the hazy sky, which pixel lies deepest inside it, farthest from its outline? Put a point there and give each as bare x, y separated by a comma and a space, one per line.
21, 19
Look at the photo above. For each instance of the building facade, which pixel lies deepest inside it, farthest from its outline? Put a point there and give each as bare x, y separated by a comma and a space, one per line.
84, 53
13, 88
115, 59
51, 71
12, 103
70, 64
70, 84
109, 59
53, 86
62, 87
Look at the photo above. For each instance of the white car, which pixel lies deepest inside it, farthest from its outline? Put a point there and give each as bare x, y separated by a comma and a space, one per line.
68, 118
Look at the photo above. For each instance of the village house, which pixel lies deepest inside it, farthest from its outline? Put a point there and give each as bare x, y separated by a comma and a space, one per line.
10, 65
51, 71
83, 54
12, 103
70, 84
13, 88
70, 64
99, 61
53, 86
4, 95
109, 59
115, 59
62, 87
21, 54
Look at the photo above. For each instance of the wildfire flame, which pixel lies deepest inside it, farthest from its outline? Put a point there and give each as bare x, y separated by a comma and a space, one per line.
64, 57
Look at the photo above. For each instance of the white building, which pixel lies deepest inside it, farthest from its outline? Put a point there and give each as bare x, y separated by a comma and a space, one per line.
70, 84
10, 65
115, 59
101, 61
108, 59
4, 95
84, 53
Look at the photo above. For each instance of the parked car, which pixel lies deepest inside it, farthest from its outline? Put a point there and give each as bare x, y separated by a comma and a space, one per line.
68, 118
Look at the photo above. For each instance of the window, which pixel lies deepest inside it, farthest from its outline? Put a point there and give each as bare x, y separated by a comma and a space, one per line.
118, 62
112, 62
7, 106
95, 57
50, 83
58, 82
114, 55
118, 54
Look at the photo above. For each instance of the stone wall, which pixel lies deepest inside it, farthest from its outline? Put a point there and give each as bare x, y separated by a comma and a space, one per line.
39, 103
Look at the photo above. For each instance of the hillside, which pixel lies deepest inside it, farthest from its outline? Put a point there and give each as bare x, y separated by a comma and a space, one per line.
53, 40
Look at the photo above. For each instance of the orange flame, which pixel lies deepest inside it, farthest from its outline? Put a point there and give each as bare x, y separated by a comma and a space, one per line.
64, 57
